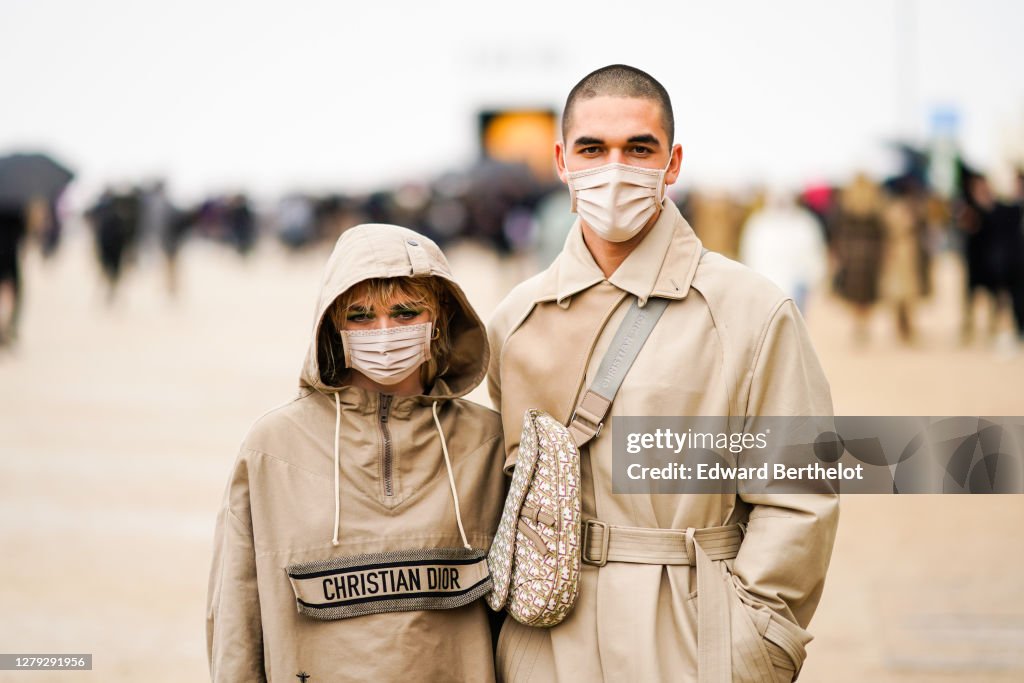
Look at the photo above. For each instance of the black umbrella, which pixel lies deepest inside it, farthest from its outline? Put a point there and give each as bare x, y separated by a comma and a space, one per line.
25, 176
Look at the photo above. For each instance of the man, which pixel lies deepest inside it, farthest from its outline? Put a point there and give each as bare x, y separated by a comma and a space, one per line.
728, 344
13, 229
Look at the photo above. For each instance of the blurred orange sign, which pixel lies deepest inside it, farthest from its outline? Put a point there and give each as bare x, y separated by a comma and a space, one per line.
526, 136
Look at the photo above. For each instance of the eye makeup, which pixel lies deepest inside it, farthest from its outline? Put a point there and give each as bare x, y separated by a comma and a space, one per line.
361, 313
358, 313
405, 311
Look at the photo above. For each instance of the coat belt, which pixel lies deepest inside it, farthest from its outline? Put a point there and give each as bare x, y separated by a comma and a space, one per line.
699, 548
604, 543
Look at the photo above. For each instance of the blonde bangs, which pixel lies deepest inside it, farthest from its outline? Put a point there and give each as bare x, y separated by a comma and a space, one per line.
381, 294
378, 294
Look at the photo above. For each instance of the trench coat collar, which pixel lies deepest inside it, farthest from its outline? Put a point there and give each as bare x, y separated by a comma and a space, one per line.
662, 265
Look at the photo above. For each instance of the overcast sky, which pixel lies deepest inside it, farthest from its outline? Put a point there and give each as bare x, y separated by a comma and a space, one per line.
221, 94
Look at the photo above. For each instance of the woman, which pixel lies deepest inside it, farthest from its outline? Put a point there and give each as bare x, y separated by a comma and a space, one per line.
858, 243
351, 542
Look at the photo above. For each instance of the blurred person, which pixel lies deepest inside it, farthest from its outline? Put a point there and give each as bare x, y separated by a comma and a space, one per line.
784, 242
155, 213
162, 223
36, 217
171, 240
50, 228
210, 221
554, 221
817, 198
993, 251
1018, 270
352, 539
858, 240
411, 202
114, 219
902, 276
500, 200
378, 207
717, 220
445, 217
332, 215
296, 221
13, 229
729, 343
1014, 242
240, 224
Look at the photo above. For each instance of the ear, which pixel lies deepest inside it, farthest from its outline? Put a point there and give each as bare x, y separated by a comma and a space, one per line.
560, 161
675, 165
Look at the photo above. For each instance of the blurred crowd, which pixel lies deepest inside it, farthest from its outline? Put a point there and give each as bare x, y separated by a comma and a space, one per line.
874, 244
872, 241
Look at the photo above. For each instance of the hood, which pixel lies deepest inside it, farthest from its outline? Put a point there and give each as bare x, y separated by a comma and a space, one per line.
384, 251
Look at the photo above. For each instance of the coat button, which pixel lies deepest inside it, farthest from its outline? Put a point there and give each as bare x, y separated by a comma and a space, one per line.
414, 243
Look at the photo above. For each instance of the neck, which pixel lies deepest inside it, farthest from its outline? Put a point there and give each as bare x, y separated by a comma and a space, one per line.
609, 255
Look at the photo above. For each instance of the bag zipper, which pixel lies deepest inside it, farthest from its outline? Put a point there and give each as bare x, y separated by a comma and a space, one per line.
383, 409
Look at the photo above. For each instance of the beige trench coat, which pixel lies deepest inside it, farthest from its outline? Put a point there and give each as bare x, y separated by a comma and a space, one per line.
729, 343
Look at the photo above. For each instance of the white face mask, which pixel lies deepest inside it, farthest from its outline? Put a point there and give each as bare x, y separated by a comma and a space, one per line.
389, 355
616, 200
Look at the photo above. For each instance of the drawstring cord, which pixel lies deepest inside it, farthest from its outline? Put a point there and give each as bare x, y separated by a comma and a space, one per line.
337, 467
337, 472
451, 478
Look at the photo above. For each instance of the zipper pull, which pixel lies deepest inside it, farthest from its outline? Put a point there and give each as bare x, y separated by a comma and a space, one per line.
385, 404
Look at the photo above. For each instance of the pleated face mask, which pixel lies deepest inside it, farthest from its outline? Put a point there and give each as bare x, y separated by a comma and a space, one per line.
389, 355
616, 200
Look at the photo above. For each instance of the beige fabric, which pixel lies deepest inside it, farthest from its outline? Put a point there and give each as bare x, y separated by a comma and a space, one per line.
605, 543
279, 505
730, 343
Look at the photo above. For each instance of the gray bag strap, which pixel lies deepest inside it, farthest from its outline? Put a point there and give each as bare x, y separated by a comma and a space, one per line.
588, 418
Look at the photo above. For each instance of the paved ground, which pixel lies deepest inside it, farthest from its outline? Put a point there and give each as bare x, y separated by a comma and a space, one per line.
118, 426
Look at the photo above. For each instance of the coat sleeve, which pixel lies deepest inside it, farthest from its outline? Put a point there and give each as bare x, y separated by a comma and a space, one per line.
507, 317
497, 329
786, 551
495, 340
234, 634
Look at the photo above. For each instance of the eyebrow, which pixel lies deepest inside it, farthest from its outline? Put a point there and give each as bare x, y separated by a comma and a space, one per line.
645, 138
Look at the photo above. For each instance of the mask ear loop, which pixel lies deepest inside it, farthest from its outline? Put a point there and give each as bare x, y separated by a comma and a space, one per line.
662, 187
568, 182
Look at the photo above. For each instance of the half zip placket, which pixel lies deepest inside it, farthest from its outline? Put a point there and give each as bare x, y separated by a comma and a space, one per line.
387, 457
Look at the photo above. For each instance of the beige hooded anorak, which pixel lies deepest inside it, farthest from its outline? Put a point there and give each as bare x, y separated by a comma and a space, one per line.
729, 344
393, 494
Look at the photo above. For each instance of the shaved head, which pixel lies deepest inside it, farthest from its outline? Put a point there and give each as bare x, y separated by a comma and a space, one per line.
619, 80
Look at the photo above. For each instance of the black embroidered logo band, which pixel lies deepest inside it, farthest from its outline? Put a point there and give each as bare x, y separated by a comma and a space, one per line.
395, 581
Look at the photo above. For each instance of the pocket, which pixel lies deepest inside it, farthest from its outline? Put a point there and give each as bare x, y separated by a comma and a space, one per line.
751, 659
783, 665
786, 643
782, 642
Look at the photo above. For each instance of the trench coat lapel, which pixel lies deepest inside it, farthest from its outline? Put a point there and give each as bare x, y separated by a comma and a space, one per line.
662, 265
